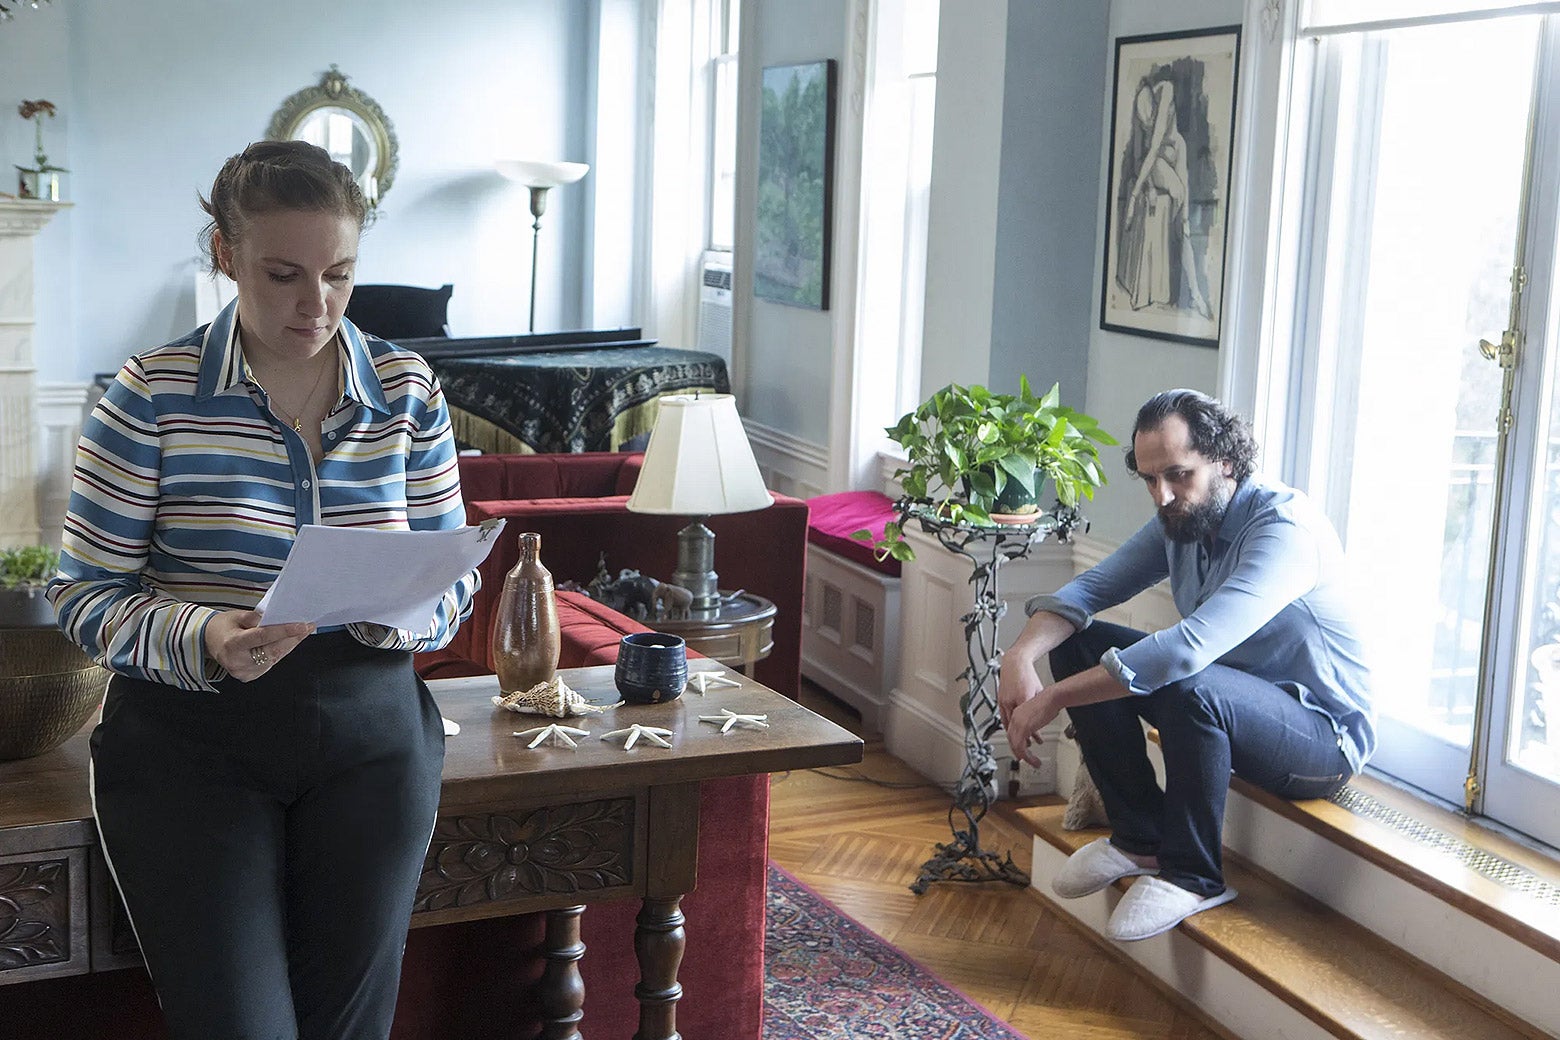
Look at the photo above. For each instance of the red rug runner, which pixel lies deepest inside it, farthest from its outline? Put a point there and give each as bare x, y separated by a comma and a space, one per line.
828, 977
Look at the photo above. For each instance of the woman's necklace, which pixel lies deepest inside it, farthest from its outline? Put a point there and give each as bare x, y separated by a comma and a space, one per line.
297, 420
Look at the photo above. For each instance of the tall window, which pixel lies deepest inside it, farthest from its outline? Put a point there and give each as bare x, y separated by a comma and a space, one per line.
723, 125
1422, 410
920, 73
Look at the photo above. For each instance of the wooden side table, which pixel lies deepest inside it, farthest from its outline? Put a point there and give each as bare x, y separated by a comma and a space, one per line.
739, 632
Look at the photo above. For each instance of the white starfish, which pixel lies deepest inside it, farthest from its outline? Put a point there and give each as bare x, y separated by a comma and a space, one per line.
555, 734
728, 718
702, 681
652, 735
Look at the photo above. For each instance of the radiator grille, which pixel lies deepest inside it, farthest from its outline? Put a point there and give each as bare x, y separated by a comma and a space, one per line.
832, 608
1482, 862
866, 624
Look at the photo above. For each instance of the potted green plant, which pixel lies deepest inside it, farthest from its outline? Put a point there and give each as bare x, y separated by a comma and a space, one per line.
24, 571
979, 457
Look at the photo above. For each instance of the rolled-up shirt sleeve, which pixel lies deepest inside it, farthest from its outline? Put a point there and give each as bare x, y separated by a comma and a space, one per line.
1277, 564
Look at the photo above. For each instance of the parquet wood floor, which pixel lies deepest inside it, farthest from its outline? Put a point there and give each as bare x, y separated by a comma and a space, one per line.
861, 843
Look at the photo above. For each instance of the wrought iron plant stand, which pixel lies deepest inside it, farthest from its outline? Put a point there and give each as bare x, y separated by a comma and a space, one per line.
987, 548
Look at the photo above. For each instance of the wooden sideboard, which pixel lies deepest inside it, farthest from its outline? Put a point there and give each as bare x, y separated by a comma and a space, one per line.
519, 830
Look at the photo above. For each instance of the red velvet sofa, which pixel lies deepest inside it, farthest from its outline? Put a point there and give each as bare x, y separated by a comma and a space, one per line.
578, 504
454, 973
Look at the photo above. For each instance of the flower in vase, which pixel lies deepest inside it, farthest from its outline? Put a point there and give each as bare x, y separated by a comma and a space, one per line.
36, 110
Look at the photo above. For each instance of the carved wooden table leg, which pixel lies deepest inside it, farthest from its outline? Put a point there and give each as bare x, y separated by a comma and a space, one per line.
672, 870
659, 941
562, 991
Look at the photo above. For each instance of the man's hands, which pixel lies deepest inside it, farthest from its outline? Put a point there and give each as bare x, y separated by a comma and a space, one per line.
237, 641
1023, 702
1016, 685
1025, 723
1023, 706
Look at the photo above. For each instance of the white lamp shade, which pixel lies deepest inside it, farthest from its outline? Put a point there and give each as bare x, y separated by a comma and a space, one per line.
534, 173
698, 461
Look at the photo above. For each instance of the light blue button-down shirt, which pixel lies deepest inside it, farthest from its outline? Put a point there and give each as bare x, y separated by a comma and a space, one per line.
1270, 597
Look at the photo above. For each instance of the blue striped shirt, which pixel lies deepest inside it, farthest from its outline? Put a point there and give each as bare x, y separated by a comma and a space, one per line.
189, 491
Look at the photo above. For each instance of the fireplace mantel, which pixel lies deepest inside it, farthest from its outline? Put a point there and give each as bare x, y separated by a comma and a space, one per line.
20, 220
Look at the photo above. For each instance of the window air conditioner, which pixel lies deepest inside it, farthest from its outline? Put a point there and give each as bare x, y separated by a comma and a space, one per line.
715, 304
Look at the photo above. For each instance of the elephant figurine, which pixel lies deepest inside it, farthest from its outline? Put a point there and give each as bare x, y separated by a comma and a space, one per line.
672, 601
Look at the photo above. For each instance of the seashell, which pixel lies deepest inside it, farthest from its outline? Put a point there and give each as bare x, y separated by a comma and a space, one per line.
553, 698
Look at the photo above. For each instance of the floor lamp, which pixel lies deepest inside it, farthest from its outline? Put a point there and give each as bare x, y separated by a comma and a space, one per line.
540, 176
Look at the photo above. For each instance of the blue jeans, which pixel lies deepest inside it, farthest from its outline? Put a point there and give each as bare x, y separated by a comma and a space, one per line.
1219, 721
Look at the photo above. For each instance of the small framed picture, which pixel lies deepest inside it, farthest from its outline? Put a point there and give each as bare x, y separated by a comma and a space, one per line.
1171, 136
795, 185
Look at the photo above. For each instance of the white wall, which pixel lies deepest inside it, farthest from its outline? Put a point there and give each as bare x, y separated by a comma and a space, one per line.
1053, 94
34, 63
1125, 370
1021, 94
966, 168
156, 94
783, 355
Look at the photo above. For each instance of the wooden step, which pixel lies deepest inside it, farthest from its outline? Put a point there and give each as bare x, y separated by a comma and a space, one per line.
1337, 975
1510, 886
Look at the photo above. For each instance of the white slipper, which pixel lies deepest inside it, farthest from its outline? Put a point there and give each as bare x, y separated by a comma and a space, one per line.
1152, 906
1093, 868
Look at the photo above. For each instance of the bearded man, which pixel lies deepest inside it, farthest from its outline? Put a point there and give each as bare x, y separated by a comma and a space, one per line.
1264, 675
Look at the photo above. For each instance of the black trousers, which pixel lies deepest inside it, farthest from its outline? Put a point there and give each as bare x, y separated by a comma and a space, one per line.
268, 838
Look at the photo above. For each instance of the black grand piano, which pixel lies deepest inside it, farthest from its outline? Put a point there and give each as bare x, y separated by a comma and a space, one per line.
593, 390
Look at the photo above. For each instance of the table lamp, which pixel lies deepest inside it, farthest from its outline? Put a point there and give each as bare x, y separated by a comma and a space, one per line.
540, 177
698, 463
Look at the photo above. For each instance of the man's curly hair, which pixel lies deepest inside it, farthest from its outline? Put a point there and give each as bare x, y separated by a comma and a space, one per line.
1217, 434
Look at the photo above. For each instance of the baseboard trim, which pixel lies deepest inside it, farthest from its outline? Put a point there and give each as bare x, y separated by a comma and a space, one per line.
873, 708
923, 740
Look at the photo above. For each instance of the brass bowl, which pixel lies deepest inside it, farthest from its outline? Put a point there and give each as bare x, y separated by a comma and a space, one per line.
48, 690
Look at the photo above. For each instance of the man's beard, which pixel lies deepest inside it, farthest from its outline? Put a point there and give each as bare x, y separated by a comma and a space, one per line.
1201, 521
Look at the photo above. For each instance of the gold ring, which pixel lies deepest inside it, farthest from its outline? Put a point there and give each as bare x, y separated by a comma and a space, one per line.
259, 656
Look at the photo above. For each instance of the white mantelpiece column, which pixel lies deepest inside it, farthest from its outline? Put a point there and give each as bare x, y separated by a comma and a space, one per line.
19, 221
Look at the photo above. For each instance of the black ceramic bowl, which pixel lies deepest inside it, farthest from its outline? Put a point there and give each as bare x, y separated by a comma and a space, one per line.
651, 667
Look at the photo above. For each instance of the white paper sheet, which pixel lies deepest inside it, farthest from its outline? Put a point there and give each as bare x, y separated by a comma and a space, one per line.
343, 575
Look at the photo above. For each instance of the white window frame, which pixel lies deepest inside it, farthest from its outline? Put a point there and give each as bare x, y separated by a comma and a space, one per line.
1272, 344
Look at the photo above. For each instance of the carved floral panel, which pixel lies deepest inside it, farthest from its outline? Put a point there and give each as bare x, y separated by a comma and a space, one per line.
34, 913
488, 857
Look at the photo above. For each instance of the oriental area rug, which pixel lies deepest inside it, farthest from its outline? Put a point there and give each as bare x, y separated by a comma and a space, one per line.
829, 978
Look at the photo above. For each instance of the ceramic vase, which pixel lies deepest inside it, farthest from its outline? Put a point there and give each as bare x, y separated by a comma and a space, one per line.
525, 625
651, 667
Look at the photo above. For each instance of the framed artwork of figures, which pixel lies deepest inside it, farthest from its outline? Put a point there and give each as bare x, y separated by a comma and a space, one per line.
1171, 135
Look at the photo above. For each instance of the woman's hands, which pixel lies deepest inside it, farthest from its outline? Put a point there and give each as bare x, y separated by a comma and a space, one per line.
237, 641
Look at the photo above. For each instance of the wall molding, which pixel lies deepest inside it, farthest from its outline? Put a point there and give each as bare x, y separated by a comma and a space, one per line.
789, 464
62, 407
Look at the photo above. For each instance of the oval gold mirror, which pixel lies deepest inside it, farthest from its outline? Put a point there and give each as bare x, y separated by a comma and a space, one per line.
345, 122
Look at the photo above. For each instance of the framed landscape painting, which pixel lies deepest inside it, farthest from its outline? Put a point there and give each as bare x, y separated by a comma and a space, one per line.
1167, 209
795, 185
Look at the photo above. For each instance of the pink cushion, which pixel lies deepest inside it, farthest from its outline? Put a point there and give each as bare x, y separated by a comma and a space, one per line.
834, 518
